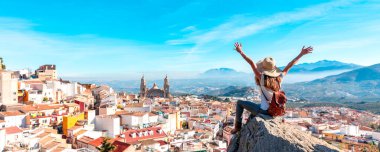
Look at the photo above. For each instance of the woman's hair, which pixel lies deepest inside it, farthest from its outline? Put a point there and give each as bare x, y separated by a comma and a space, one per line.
272, 83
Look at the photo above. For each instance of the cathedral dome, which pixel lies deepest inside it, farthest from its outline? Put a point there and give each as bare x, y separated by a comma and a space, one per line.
155, 86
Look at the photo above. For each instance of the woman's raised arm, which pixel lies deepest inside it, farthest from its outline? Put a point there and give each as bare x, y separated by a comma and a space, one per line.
303, 52
239, 49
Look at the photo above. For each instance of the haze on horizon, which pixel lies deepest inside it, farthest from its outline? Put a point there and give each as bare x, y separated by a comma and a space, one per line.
124, 40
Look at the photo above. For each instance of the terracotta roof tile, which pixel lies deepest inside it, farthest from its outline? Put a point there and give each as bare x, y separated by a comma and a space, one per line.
12, 130
71, 104
51, 145
97, 142
131, 136
46, 140
120, 146
366, 128
162, 142
85, 139
135, 105
11, 113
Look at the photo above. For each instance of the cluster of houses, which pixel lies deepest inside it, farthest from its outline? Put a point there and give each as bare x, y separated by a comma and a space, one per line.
345, 128
40, 112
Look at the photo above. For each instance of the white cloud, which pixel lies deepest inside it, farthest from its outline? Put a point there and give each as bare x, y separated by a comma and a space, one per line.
244, 26
80, 55
15, 23
189, 29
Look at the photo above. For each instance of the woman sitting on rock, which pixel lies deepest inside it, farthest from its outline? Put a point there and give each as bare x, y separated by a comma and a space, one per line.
268, 78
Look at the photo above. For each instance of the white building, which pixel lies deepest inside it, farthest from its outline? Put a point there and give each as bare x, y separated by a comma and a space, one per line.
138, 119
24, 73
111, 124
2, 124
376, 135
70, 89
107, 109
63, 88
13, 118
109, 100
2, 139
8, 88
91, 117
13, 135
138, 107
350, 130
298, 120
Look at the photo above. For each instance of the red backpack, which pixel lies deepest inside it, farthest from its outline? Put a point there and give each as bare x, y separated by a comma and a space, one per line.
277, 105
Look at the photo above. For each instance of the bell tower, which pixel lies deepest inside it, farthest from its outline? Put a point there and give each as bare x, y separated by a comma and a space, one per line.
143, 88
2, 66
166, 87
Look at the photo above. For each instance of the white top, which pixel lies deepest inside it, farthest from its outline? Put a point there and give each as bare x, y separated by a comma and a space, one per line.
268, 93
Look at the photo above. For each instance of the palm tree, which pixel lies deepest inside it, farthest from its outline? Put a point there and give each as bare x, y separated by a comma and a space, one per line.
106, 146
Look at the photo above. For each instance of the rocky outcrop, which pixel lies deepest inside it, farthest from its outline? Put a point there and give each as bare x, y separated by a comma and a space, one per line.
264, 134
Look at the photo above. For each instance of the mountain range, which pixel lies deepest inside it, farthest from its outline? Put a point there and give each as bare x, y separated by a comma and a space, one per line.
323, 65
320, 66
360, 84
355, 83
222, 73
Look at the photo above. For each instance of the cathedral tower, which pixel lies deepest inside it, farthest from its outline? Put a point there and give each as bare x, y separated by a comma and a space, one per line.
2, 66
166, 87
143, 88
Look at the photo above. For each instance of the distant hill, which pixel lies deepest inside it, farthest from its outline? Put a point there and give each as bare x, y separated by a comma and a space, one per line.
323, 65
235, 91
222, 73
371, 73
357, 85
362, 84
320, 66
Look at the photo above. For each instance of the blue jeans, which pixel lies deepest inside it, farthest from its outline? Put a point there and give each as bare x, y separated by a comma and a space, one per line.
254, 108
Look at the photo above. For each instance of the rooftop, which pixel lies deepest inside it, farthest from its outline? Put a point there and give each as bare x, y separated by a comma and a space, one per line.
86, 139
97, 142
131, 136
47, 67
11, 113
135, 105
51, 145
12, 130
120, 146
46, 140
39, 107
70, 105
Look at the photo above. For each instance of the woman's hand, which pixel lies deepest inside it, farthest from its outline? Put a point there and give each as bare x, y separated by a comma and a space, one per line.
239, 47
303, 52
307, 50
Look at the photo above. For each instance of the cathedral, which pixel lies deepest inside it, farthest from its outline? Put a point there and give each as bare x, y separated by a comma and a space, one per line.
154, 92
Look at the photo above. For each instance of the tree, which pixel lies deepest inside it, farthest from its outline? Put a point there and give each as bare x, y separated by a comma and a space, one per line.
185, 125
106, 146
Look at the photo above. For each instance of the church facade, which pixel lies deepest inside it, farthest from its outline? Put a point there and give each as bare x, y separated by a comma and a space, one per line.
155, 91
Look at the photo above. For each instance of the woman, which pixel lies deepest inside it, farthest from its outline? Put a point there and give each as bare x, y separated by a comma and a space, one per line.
268, 78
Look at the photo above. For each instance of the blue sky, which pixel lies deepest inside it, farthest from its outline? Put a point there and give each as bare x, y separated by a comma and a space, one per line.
125, 39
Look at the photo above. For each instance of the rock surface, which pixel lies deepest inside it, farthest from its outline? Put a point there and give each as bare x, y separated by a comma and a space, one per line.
272, 135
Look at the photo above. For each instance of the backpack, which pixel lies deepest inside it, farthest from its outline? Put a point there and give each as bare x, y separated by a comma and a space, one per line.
277, 105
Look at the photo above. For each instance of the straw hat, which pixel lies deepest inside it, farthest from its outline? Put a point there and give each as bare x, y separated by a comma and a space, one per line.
268, 67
